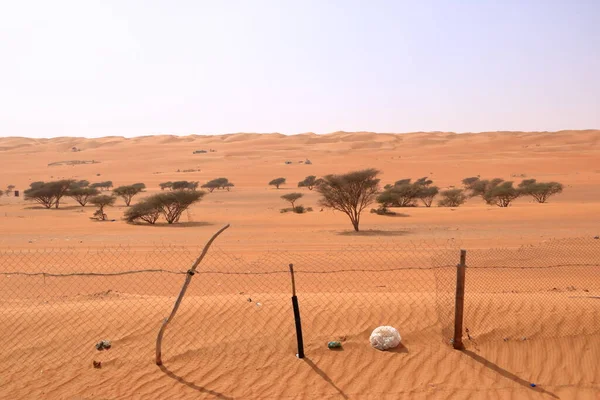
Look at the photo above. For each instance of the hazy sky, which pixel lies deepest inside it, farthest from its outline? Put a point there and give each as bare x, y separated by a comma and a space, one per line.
97, 68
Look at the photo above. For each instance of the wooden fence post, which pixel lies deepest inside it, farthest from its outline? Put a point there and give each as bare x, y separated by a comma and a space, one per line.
297, 315
457, 342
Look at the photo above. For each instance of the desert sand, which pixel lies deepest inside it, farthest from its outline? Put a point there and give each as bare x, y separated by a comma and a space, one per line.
234, 336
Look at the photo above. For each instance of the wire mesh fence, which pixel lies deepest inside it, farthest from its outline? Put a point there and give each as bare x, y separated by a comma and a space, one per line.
63, 301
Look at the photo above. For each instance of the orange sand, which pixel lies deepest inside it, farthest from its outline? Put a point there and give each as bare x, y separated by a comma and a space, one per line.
562, 361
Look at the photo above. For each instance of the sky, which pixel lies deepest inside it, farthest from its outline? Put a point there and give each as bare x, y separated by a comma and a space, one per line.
130, 68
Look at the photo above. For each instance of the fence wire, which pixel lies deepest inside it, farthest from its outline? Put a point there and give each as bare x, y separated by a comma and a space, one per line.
63, 301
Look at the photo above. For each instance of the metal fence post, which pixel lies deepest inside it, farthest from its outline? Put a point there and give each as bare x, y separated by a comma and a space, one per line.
457, 342
297, 315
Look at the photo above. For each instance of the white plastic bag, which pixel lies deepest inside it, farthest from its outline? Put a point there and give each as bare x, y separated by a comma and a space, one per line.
385, 338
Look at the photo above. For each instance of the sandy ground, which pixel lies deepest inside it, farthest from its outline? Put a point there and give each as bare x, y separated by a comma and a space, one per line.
538, 325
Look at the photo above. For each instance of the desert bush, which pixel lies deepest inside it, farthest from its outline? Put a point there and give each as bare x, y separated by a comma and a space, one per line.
452, 198
350, 193
292, 197
277, 182
173, 204
128, 192
82, 194
102, 201
48, 193
140, 185
299, 209
540, 191
145, 211
382, 211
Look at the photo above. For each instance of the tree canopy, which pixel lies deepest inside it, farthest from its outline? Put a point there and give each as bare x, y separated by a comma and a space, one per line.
82, 194
310, 182
102, 201
277, 182
540, 191
501, 194
48, 193
452, 198
350, 193
292, 197
218, 183
170, 204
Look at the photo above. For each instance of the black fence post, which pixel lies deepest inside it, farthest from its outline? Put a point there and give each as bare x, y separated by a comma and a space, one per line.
297, 315
457, 342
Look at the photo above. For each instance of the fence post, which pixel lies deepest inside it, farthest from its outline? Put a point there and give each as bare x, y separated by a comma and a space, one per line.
457, 342
297, 315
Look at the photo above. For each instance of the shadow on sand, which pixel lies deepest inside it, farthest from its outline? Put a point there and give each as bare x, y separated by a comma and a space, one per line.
192, 385
496, 368
323, 375
176, 225
372, 232
60, 208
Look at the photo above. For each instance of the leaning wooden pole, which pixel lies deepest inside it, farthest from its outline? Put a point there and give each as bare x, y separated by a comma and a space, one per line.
188, 279
459, 304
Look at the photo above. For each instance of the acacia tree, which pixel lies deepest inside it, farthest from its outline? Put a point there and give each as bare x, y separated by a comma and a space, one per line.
79, 184
350, 193
40, 193
165, 185
478, 187
540, 191
101, 202
292, 197
144, 211
401, 195
184, 185
173, 204
310, 182
82, 194
10, 189
427, 194
277, 182
502, 194
218, 183
60, 189
127, 192
452, 198
48, 193
106, 185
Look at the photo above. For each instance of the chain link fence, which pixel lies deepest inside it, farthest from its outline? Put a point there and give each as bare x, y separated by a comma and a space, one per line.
57, 303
